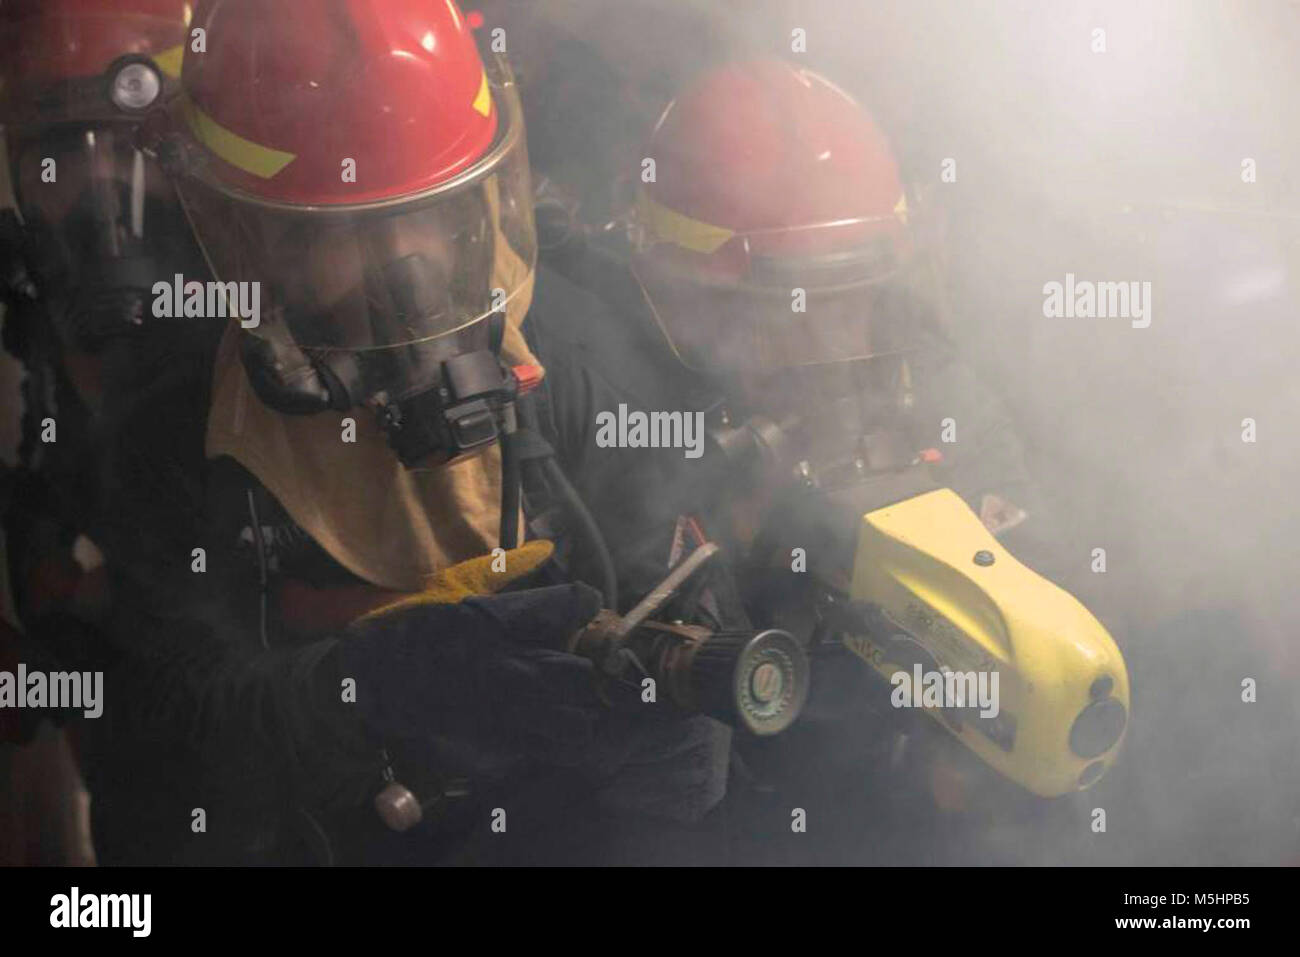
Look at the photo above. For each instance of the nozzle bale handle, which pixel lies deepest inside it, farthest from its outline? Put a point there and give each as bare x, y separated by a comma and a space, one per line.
755, 681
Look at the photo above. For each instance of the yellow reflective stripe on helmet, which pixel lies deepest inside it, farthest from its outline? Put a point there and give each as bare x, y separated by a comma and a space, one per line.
169, 61
674, 227
234, 149
483, 100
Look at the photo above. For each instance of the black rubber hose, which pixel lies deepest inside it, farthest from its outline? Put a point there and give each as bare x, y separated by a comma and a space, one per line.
510, 486
590, 530
539, 452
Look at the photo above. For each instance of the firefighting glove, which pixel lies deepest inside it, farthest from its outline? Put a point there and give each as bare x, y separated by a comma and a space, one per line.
484, 670
485, 575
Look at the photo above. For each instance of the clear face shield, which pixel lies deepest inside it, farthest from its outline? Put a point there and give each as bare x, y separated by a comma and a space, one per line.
769, 299
399, 305
101, 228
810, 328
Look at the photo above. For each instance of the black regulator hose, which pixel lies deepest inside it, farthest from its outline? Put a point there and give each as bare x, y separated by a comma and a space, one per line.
510, 480
590, 530
539, 452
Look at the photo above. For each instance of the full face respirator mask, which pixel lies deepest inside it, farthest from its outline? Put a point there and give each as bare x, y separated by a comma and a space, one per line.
94, 227
397, 305
437, 399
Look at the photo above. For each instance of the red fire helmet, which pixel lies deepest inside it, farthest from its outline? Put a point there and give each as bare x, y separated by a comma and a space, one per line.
285, 92
87, 60
77, 80
775, 212
327, 145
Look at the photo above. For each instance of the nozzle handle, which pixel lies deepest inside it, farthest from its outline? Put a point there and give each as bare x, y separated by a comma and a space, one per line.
676, 578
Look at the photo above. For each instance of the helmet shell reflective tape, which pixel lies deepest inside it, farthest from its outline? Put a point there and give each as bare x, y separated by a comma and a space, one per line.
56, 56
285, 94
769, 178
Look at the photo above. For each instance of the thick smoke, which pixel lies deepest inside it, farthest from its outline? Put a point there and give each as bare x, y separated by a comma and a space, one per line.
1114, 142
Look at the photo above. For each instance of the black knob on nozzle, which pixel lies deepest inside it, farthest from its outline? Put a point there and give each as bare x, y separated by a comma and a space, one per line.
757, 681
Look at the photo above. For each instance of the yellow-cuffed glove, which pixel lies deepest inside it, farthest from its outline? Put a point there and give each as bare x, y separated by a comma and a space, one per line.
485, 575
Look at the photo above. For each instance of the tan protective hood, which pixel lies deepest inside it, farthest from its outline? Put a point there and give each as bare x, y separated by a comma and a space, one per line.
389, 525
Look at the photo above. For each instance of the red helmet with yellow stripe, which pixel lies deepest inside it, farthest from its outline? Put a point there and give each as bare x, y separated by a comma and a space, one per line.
285, 92
77, 78
775, 214
85, 60
366, 166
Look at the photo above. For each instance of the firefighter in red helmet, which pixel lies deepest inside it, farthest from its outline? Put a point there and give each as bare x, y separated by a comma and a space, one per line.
380, 202
305, 639
772, 252
775, 250
92, 219
86, 221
